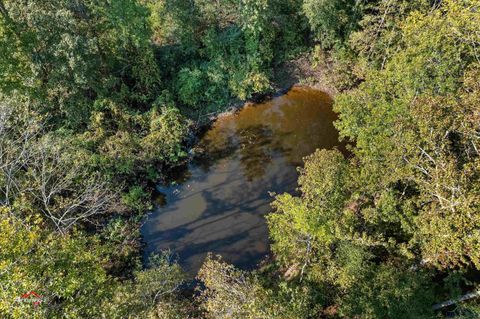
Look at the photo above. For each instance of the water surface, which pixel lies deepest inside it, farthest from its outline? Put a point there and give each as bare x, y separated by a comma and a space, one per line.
217, 204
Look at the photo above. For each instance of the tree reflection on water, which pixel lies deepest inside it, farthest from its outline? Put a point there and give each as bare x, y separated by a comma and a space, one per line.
218, 201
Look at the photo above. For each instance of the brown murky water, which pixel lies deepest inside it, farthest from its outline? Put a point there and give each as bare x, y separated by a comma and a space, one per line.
218, 202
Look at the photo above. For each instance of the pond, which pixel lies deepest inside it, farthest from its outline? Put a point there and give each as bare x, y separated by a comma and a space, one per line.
218, 202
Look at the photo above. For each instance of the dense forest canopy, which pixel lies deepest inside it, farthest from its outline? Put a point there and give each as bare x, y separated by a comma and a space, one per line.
98, 99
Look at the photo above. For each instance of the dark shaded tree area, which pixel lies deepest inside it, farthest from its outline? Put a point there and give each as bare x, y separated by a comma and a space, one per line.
97, 100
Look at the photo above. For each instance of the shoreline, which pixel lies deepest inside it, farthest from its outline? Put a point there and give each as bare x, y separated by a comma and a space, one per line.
298, 72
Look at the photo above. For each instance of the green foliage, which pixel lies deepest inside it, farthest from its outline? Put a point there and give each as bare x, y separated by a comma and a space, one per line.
88, 112
320, 236
190, 82
61, 270
166, 132
172, 22
386, 291
408, 115
313, 218
136, 199
94, 103
130, 142
237, 55
380, 33
68, 273
232, 293
378, 228
73, 54
82, 115
332, 21
227, 48
151, 294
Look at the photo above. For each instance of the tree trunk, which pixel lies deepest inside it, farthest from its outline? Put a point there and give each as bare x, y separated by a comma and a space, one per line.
450, 302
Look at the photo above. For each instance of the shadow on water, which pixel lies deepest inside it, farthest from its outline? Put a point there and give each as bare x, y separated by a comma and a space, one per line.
218, 202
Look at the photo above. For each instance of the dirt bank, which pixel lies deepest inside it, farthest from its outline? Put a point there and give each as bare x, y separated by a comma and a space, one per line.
300, 71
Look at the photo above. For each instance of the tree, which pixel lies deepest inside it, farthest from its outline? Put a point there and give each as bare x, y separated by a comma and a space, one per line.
372, 231
405, 121
44, 173
68, 274
379, 33
332, 21
69, 54
308, 224
233, 293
